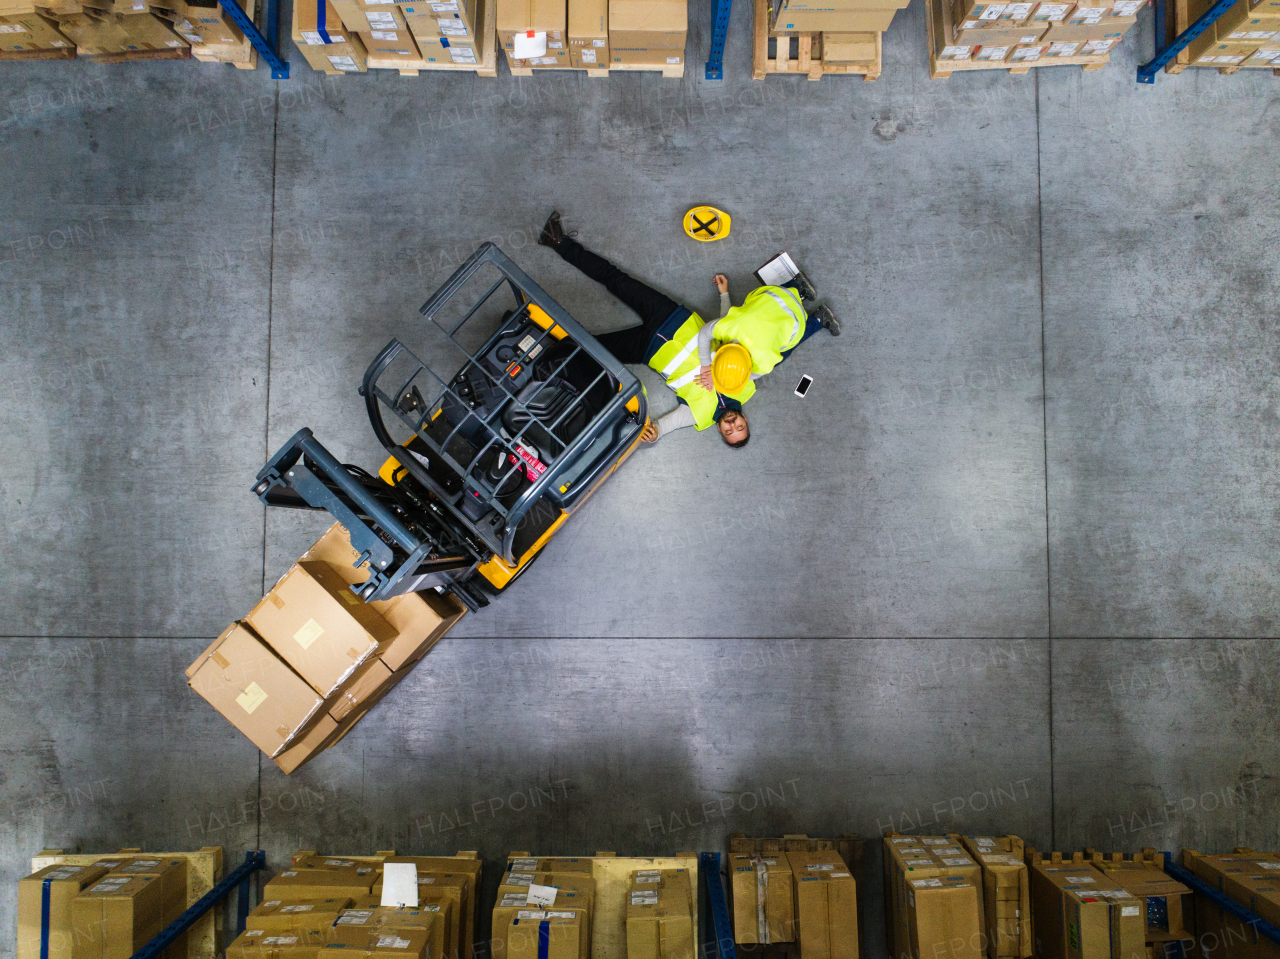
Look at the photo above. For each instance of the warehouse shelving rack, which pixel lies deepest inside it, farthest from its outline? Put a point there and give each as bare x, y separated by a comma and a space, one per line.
1166, 52
238, 878
718, 934
266, 48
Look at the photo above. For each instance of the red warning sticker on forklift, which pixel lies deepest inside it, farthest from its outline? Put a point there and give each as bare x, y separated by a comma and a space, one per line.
533, 467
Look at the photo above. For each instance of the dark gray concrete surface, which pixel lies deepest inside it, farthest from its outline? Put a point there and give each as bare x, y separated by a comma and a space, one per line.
1052, 415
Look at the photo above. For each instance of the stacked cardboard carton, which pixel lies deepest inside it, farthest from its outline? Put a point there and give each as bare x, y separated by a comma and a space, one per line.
849, 29
312, 657
321, 903
809, 898
1247, 35
1006, 895
1026, 34
107, 910
99, 28
1250, 878
661, 914
549, 901
594, 34
1167, 907
1078, 912
934, 895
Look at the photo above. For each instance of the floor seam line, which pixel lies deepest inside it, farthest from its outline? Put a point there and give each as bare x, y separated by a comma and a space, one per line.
271, 288
1044, 376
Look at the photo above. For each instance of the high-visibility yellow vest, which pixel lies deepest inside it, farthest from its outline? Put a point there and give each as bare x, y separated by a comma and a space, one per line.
678, 363
769, 322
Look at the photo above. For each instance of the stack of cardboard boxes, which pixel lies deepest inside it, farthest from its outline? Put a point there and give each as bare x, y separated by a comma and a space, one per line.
1038, 33
1006, 895
323, 903
312, 657
1247, 35
93, 28
809, 898
1167, 906
661, 913
342, 36
108, 910
1250, 878
594, 34
849, 28
1080, 913
544, 910
933, 890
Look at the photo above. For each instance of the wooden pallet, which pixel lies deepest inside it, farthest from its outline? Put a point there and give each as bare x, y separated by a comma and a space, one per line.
204, 870
808, 54
1179, 22
487, 67
172, 53
939, 25
849, 847
240, 55
670, 71
59, 53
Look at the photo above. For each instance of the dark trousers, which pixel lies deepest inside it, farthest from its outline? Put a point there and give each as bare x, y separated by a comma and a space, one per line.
630, 345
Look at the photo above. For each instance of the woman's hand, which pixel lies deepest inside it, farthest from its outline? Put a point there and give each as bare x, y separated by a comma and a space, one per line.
722, 282
650, 433
704, 377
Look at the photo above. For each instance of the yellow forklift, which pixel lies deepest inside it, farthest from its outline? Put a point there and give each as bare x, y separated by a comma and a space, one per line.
515, 418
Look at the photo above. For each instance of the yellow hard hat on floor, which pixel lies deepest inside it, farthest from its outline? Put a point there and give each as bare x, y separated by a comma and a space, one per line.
731, 368
706, 223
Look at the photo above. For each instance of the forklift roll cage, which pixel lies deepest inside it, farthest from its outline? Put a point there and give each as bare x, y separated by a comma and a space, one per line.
414, 541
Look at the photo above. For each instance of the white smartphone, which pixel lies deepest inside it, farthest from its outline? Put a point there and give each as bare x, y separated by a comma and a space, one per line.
805, 382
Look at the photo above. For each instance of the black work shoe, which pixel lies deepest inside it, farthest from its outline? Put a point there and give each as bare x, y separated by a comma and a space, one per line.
827, 319
804, 287
553, 231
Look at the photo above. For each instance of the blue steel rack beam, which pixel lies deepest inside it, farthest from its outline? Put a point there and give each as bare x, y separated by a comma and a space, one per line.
253, 861
722, 946
266, 48
1165, 54
1225, 903
720, 10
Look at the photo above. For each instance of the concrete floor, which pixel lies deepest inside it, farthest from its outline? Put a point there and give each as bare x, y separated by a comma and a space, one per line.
1052, 416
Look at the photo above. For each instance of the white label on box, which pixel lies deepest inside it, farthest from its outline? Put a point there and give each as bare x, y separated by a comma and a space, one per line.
673, 59
380, 17
1128, 8
450, 7
271, 903
1128, 910
949, 851
543, 61
345, 64
346, 863
555, 45
255, 932
821, 867
280, 941
1095, 47
1063, 50
840, 875
62, 872
523, 865
514, 899
531, 914
898, 840
992, 12
519, 878
399, 885
306, 908
588, 55
599, 43
993, 53
1267, 56
957, 862
311, 630
452, 28
542, 895
526, 44
1017, 11
937, 842
644, 898
252, 697
1111, 894
462, 54
142, 864
927, 883
1027, 40
392, 942
922, 852
955, 53
312, 39
1268, 865
337, 38
12, 28
1081, 880
1089, 15
112, 884
384, 35
354, 917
